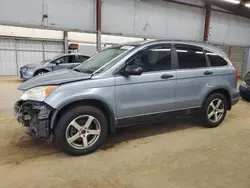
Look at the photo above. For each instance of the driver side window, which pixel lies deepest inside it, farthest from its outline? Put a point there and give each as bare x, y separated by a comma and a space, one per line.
67, 59
152, 59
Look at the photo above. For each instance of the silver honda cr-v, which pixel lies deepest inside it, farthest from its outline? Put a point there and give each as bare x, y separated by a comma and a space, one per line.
126, 85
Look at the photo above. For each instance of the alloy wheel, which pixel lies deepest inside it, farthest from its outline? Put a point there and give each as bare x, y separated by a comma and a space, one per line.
215, 110
83, 131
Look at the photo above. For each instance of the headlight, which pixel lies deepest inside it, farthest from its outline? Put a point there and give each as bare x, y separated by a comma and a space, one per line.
27, 68
38, 93
244, 84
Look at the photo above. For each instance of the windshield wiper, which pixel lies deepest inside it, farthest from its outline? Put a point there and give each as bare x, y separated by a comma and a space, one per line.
77, 70
88, 71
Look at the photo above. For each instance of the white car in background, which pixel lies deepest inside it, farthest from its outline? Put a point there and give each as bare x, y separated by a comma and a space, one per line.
62, 61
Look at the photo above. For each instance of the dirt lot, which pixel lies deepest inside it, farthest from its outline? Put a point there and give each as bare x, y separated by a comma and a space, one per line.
179, 153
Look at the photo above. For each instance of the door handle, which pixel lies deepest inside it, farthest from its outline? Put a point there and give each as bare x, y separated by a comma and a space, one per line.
208, 72
166, 76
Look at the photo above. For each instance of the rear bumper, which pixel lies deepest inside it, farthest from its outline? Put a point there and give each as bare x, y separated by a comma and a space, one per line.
35, 116
235, 101
235, 97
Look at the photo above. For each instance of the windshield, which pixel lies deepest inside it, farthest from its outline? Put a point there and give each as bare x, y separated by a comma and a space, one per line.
56, 57
45, 61
103, 60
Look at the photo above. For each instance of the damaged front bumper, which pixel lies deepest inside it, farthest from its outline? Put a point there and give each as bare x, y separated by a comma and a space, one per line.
35, 116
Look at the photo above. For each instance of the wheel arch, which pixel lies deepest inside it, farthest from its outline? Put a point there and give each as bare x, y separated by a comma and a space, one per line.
43, 69
222, 91
104, 107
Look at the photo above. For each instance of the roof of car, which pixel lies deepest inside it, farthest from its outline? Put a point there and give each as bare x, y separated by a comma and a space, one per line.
134, 43
207, 46
74, 54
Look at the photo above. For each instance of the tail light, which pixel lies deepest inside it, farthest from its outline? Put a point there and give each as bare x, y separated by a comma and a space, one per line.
237, 75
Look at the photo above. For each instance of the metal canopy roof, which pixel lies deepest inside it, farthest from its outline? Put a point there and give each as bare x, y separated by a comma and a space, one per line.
239, 9
236, 7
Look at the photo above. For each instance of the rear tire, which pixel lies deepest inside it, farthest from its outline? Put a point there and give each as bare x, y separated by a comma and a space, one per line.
214, 110
81, 130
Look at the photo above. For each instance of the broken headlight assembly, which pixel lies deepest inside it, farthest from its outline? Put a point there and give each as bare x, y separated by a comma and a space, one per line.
38, 93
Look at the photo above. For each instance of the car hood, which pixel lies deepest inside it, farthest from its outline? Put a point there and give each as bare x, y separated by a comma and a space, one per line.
30, 65
54, 78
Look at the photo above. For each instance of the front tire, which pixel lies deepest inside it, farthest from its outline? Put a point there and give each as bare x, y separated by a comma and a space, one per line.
214, 110
81, 130
40, 72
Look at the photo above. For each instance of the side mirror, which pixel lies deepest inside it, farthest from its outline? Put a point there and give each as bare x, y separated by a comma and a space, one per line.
133, 70
57, 62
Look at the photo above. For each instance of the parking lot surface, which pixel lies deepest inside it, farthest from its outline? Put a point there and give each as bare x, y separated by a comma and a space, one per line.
178, 153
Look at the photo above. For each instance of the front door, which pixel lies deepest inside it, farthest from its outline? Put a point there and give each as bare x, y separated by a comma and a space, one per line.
152, 92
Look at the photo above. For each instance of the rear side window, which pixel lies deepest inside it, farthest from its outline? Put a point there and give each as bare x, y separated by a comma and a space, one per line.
215, 59
67, 59
190, 57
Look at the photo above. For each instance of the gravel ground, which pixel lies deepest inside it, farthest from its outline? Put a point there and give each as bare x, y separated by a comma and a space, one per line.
178, 153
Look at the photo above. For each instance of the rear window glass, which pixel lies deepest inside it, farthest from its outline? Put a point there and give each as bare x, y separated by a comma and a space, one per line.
216, 60
190, 57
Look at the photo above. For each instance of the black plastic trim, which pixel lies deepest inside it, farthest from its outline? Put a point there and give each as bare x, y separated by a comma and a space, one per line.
34, 115
157, 117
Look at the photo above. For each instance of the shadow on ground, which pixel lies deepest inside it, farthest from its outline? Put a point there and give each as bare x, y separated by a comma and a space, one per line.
20, 147
14, 81
146, 130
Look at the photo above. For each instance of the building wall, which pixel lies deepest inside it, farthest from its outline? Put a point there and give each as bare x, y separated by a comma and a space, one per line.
140, 18
135, 19
229, 29
14, 53
71, 14
13, 31
22, 12
246, 67
91, 38
155, 19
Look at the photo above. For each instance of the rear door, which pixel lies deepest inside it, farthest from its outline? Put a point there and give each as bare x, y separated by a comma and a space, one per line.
224, 75
193, 74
